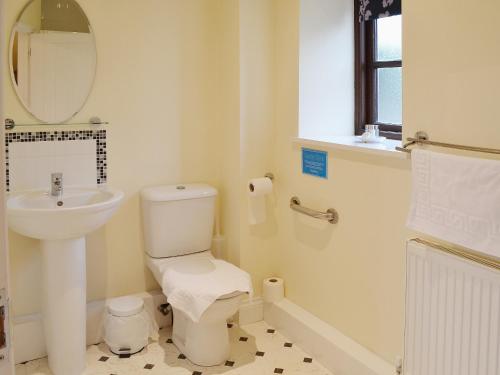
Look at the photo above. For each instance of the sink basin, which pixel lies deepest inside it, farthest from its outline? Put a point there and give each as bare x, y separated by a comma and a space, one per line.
36, 214
62, 229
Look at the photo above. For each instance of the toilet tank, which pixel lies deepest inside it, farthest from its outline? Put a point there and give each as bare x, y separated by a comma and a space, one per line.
178, 219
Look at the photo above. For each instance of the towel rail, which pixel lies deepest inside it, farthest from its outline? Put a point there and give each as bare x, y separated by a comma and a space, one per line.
485, 260
421, 138
331, 215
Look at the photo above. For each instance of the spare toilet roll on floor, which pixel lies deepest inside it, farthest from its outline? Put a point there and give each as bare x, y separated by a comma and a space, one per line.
273, 290
258, 188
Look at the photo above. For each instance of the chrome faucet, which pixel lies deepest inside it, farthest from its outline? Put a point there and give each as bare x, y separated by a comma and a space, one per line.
56, 184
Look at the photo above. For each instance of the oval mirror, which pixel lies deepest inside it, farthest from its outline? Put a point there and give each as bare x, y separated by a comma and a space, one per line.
52, 59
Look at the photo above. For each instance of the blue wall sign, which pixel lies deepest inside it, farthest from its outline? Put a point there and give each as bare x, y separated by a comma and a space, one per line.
315, 163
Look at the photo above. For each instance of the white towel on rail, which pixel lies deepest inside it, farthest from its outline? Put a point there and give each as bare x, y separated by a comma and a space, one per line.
456, 199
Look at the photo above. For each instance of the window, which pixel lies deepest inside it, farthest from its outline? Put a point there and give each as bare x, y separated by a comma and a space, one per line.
379, 75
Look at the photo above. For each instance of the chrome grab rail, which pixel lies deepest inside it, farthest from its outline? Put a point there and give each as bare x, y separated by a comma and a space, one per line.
331, 215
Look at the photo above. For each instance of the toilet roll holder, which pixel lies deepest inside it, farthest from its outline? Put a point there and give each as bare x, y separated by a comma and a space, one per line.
267, 175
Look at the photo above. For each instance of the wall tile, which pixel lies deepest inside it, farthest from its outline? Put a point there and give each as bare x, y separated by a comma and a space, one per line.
32, 156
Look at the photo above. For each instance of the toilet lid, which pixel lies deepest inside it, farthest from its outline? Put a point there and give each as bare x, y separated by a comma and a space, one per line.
125, 306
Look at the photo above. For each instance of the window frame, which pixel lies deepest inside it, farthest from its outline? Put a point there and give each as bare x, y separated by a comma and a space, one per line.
365, 34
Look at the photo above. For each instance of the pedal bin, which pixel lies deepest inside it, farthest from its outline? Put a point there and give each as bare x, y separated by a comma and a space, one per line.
127, 325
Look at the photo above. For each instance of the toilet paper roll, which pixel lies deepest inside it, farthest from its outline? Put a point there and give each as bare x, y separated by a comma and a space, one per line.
257, 210
273, 290
260, 186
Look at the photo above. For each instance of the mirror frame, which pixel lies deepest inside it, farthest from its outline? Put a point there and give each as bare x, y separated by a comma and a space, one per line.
13, 31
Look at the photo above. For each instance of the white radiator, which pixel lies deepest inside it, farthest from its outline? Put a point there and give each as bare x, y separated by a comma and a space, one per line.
452, 315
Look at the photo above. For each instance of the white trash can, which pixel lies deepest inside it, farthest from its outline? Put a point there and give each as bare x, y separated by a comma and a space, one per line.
128, 326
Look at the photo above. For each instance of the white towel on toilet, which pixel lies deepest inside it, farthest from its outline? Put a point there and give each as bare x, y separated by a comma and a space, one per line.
193, 285
457, 199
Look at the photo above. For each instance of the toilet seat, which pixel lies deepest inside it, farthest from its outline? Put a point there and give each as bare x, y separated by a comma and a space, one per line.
198, 263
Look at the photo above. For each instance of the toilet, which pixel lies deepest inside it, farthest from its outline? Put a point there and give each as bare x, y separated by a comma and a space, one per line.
204, 292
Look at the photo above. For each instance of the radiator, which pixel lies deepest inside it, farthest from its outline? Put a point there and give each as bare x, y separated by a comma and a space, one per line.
452, 323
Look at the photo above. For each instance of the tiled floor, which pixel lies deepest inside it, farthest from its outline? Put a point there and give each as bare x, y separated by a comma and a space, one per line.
256, 349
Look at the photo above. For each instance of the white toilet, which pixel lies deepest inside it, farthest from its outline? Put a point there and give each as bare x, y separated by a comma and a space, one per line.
204, 292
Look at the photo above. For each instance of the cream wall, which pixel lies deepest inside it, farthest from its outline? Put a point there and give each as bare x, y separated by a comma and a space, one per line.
154, 84
170, 82
326, 69
208, 90
257, 137
246, 120
7, 365
352, 275
228, 118
452, 71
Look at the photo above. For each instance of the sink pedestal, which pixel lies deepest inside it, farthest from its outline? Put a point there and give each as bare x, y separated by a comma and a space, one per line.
64, 304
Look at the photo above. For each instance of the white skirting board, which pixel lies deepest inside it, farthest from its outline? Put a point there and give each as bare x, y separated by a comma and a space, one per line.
251, 311
28, 338
337, 352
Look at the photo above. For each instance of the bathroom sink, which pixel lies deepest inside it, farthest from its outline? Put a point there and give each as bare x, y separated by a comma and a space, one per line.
37, 214
61, 223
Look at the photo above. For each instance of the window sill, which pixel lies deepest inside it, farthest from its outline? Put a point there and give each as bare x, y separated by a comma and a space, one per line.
351, 143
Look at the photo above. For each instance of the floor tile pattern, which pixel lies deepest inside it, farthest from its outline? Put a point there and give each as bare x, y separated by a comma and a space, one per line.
264, 352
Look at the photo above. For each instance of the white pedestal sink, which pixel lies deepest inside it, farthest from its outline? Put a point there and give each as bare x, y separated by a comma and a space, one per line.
62, 231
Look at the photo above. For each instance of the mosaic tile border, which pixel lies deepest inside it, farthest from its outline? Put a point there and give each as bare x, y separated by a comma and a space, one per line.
67, 135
